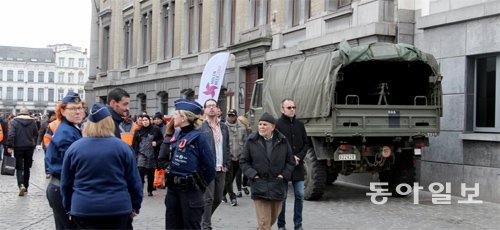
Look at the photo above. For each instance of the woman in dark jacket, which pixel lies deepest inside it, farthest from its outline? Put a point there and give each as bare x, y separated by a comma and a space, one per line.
146, 145
267, 159
100, 187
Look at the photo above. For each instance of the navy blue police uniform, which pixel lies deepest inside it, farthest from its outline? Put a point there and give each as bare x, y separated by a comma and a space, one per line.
191, 169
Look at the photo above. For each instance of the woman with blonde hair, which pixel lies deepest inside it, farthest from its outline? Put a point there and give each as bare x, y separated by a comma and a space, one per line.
101, 188
239, 174
191, 169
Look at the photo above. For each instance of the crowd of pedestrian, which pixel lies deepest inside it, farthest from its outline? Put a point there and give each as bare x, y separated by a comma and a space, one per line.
199, 153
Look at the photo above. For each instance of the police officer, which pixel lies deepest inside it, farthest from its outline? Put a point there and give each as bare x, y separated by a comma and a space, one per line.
191, 169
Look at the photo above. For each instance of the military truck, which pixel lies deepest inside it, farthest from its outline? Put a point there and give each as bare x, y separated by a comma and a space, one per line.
369, 108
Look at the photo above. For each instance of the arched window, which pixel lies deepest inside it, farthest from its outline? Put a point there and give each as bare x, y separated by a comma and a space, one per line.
163, 102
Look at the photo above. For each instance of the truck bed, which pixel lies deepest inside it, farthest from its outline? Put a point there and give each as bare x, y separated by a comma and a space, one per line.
377, 121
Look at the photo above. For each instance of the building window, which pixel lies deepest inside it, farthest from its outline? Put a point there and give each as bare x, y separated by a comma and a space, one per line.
20, 75
61, 62
81, 62
40, 94
20, 94
163, 102
71, 62
258, 12
10, 75
51, 95
168, 29
1, 75
226, 11
41, 76
194, 17
60, 94
128, 30
105, 50
71, 90
80, 78
299, 12
10, 93
147, 24
487, 94
30, 94
71, 77
1, 91
51, 77
31, 76
141, 99
333, 5
60, 77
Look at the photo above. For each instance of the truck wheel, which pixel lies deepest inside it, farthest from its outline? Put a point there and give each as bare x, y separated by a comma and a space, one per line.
315, 178
402, 172
331, 176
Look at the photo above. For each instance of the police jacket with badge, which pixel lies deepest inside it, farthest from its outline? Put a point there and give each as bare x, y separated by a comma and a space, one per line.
66, 133
192, 165
255, 162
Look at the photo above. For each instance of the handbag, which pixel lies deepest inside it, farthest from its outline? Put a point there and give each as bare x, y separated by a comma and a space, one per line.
8, 166
159, 180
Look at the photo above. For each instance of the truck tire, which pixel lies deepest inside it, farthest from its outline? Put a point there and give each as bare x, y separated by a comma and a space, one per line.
402, 172
315, 178
331, 176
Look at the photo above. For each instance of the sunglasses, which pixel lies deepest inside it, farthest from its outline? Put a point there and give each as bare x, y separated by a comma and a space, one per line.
290, 107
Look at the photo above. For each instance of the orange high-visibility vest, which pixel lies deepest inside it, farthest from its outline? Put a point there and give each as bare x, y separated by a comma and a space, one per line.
1, 133
128, 137
50, 132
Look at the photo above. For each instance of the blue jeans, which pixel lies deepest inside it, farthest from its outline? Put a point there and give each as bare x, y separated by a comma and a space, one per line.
298, 190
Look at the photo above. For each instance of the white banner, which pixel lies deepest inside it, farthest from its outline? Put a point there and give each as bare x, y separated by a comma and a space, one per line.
212, 77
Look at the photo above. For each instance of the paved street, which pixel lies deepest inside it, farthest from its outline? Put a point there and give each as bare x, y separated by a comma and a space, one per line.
346, 208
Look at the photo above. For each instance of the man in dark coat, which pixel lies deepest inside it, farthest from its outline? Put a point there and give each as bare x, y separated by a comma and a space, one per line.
22, 140
267, 160
296, 135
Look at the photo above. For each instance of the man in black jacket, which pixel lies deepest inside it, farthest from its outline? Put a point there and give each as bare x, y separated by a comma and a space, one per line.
267, 160
295, 132
22, 140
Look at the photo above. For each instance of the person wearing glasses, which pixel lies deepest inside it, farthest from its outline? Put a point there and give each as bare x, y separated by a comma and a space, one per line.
100, 189
71, 114
295, 133
217, 134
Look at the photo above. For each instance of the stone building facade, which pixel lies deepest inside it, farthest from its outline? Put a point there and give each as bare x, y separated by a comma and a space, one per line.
155, 48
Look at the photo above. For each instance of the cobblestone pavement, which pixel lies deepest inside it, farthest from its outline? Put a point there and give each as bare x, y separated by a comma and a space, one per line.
344, 206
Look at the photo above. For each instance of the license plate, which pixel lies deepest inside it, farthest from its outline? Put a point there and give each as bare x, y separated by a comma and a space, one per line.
347, 157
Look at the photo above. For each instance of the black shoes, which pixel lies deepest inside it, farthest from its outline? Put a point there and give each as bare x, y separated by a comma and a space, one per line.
150, 193
224, 199
238, 194
245, 189
234, 202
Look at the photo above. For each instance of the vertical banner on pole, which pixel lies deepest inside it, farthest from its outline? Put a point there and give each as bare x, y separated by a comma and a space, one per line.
212, 77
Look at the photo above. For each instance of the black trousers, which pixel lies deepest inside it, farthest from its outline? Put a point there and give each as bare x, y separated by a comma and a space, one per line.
230, 176
24, 161
184, 209
61, 219
150, 174
102, 222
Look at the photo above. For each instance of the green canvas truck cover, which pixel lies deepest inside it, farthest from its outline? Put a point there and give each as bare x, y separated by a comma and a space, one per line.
310, 81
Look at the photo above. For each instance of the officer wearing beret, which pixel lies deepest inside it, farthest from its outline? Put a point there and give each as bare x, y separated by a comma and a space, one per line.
191, 169
87, 195
70, 113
